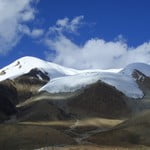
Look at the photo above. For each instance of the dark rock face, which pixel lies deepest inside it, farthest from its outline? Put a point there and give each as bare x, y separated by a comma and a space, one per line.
28, 84
142, 80
139, 76
100, 100
8, 98
35, 75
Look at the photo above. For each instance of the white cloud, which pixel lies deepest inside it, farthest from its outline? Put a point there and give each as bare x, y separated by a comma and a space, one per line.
14, 13
94, 53
35, 33
28, 15
62, 22
66, 25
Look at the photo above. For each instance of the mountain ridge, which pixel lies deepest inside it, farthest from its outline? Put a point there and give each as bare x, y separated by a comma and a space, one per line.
56, 73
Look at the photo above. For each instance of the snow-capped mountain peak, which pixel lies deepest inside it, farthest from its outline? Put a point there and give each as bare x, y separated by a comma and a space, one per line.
63, 79
25, 64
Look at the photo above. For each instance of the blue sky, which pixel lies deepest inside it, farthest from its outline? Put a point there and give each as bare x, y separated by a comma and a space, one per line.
119, 25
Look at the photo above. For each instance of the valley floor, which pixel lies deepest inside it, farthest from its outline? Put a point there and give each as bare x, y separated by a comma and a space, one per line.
33, 135
61, 135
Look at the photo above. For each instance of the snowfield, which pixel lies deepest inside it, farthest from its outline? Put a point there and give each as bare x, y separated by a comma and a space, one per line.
125, 84
63, 79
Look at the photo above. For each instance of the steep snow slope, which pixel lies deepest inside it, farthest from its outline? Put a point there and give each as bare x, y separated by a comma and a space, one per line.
125, 84
25, 64
144, 68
